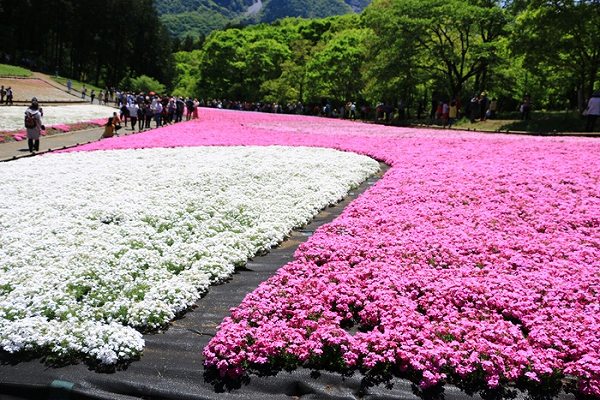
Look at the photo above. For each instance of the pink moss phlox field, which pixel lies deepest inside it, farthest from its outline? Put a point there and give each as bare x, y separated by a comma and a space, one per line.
474, 256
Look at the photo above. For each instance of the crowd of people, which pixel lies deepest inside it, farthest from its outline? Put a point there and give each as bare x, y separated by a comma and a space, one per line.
142, 109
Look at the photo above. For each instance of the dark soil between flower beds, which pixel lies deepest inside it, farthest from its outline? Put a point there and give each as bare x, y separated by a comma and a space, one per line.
171, 366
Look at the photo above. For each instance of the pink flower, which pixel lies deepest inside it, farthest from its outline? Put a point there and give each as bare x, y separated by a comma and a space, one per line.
474, 252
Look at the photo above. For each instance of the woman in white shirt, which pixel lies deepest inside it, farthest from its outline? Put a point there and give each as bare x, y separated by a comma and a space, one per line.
593, 111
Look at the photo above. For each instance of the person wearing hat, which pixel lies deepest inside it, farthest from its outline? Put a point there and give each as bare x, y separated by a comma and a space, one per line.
33, 124
592, 111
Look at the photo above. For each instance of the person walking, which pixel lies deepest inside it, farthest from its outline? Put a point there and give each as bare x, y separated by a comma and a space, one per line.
9, 96
2, 94
83, 92
195, 109
483, 106
149, 114
445, 113
141, 114
133, 114
474, 108
592, 111
69, 85
525, 108
92, 96
33, 124
452, 113
189, 108
180, 106
157, 108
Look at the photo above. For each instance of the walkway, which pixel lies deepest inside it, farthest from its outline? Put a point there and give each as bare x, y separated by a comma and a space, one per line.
14, 150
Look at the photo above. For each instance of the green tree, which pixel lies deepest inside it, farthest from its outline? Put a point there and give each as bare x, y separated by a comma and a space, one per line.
144, 84
334, 71
264, 60
560, 41
452, 40
187, 70
223, 65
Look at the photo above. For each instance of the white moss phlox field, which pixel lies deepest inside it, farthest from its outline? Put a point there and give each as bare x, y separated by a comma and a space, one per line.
95, 244
13, 118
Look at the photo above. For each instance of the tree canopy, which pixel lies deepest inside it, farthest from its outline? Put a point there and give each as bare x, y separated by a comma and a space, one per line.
412, 51
409, 51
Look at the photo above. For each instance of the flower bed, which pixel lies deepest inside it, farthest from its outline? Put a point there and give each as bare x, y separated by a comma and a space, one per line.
476, 258
101, 243
52, 130
58, 118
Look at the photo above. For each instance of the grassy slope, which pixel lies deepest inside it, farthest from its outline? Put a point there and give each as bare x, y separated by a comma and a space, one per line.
77, 86
11, 70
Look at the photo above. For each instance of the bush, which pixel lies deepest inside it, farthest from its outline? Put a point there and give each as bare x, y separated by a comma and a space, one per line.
144, 84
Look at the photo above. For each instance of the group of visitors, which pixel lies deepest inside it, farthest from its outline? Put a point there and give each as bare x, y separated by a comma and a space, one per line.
6, 96
141, 109
447, 112
480, 107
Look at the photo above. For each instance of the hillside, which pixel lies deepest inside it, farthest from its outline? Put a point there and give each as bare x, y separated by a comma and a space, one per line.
194, 17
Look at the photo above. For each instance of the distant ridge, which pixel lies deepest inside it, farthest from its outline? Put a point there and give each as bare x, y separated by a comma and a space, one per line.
195, 17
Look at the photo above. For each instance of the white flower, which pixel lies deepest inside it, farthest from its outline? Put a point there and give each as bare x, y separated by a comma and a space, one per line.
11, 118
95, 244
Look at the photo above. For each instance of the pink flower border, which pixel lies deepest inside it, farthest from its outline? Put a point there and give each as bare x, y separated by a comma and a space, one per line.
22, 134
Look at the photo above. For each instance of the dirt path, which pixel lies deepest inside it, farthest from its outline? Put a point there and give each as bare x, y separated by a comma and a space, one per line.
45, 89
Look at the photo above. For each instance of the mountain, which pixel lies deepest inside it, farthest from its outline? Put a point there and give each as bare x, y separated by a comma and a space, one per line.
195, 17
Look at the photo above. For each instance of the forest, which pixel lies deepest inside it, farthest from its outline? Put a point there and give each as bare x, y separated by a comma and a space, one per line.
407, 51
100, 42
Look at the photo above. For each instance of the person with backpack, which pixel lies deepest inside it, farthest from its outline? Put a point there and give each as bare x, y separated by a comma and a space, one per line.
33, 124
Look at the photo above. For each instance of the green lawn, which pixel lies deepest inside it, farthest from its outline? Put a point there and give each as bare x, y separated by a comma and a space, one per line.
540, 122
11, 70
77, 86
